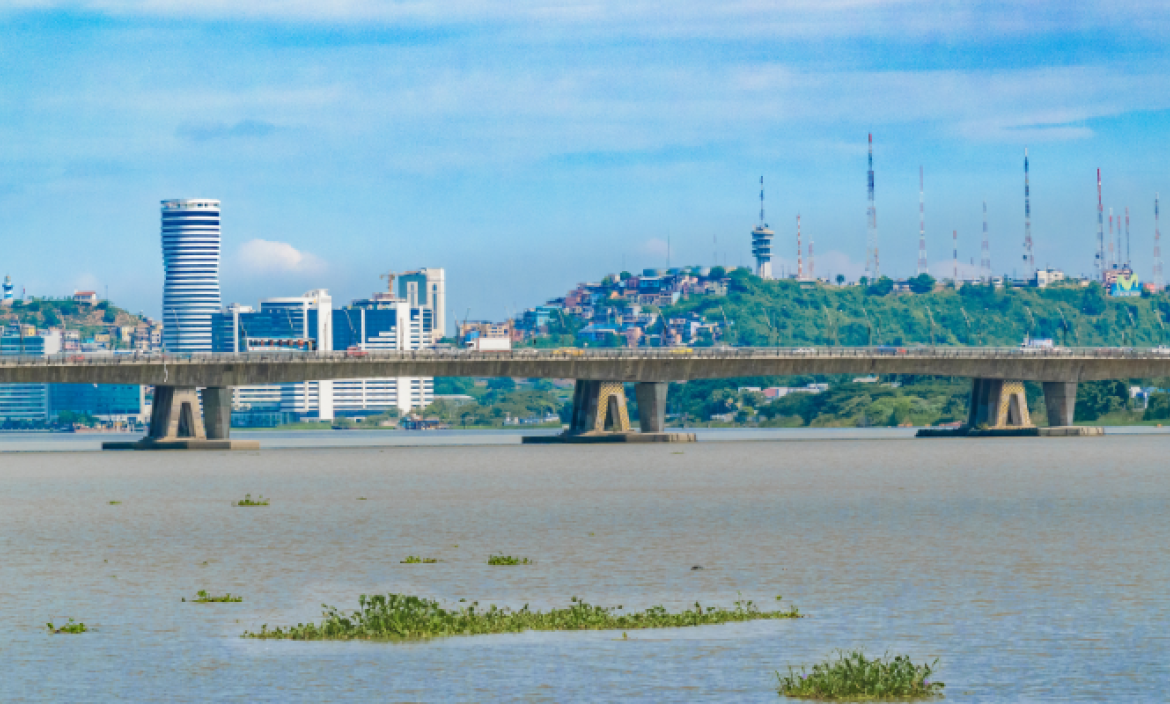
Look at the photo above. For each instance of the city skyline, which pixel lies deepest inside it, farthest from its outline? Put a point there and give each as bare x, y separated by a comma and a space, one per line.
347, 141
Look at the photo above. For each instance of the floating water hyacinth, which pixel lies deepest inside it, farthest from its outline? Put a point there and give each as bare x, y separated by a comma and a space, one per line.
509, 560
202, 597
854, 677
249, 501
413, 560
69, 627
405, 617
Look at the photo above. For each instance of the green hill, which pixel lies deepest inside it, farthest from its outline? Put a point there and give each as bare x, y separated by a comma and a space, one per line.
783, 313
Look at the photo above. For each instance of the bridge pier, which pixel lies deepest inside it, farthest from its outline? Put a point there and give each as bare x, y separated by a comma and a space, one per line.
177, 424
1000, 408
997, 404
600, 414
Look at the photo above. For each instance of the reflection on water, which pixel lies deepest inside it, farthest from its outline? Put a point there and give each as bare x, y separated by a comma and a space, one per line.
1034, 568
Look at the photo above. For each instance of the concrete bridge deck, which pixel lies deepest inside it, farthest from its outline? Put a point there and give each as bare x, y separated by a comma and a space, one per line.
645, 365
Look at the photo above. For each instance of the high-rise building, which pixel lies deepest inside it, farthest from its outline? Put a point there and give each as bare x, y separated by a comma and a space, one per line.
8, 289
191, 247
26, 401
407, 316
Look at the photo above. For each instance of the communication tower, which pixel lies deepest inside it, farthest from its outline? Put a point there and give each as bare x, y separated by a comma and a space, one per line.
1100, 232
985, 261
955, 257
1029, 260
1158, 283
799, 262
921, 226
762, 242
872, 266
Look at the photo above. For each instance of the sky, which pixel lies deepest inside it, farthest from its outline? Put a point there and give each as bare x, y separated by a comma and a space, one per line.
529, 145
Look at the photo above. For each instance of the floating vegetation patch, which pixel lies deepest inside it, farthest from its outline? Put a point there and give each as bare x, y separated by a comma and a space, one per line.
69, 627
509, 560
115, 503
854, 677
361, 498
249, 501
404, 617
413, 560
202, 597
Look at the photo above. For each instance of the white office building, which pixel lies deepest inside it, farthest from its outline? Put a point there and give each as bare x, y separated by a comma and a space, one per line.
191, 249
405, 317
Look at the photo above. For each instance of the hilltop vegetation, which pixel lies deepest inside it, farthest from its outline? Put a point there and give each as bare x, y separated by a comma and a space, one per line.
788, 313
89, 319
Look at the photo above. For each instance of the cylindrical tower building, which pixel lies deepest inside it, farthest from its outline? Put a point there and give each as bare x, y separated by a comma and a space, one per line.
190, 246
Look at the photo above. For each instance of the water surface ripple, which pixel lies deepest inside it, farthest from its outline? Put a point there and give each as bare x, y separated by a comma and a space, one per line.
1034, 568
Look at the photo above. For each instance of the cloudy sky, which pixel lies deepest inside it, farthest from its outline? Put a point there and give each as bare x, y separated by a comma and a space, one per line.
528, 145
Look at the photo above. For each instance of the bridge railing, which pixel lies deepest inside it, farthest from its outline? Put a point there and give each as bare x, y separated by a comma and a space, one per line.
565, 354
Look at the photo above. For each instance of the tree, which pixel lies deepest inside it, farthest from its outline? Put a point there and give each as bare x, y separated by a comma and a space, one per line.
881, 287
109, 315
1098, 398
503, 383
625, 275
840, 279
717, 272
923, 283
1093, 302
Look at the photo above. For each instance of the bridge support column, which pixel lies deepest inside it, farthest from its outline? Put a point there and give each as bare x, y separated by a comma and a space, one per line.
217, 412
600, 415
997, 404
177, 424
1060, 400
651, 397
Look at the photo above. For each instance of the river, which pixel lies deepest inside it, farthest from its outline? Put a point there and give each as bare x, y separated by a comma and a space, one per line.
1033, 569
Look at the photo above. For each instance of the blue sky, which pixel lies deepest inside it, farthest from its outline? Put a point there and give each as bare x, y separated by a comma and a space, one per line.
529, 145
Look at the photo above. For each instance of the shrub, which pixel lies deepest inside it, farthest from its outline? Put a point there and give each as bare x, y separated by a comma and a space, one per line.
854, 676
404, 617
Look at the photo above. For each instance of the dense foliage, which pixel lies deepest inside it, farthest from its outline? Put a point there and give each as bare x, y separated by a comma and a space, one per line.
88, 319
853, 676
788, 313
404, 617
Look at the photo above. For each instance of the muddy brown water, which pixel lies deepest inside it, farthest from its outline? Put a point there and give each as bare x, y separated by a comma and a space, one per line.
1034, 569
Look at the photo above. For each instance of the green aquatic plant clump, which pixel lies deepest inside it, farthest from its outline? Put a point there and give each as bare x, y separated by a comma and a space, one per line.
413, 560
70, 627
405, 617
854, 677
202, 597
249, 501
509, 560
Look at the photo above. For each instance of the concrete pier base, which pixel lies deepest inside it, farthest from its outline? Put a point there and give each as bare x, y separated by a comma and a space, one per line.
1060, 431
183, 444
605, 438
177, 424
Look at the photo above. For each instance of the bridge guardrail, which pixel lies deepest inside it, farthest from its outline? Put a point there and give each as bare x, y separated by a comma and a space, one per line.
579, 354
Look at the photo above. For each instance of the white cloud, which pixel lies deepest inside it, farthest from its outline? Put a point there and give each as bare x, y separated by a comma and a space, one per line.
268, 257
655, 247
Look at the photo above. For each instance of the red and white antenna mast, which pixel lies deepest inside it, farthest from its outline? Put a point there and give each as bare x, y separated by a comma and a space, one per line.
955, 258
1128, 261
921, 225
1112, 254
1100, 232
1029, 260
985, 261
799, 262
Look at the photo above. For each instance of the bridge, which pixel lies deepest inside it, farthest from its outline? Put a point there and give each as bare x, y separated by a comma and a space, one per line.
599, 405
